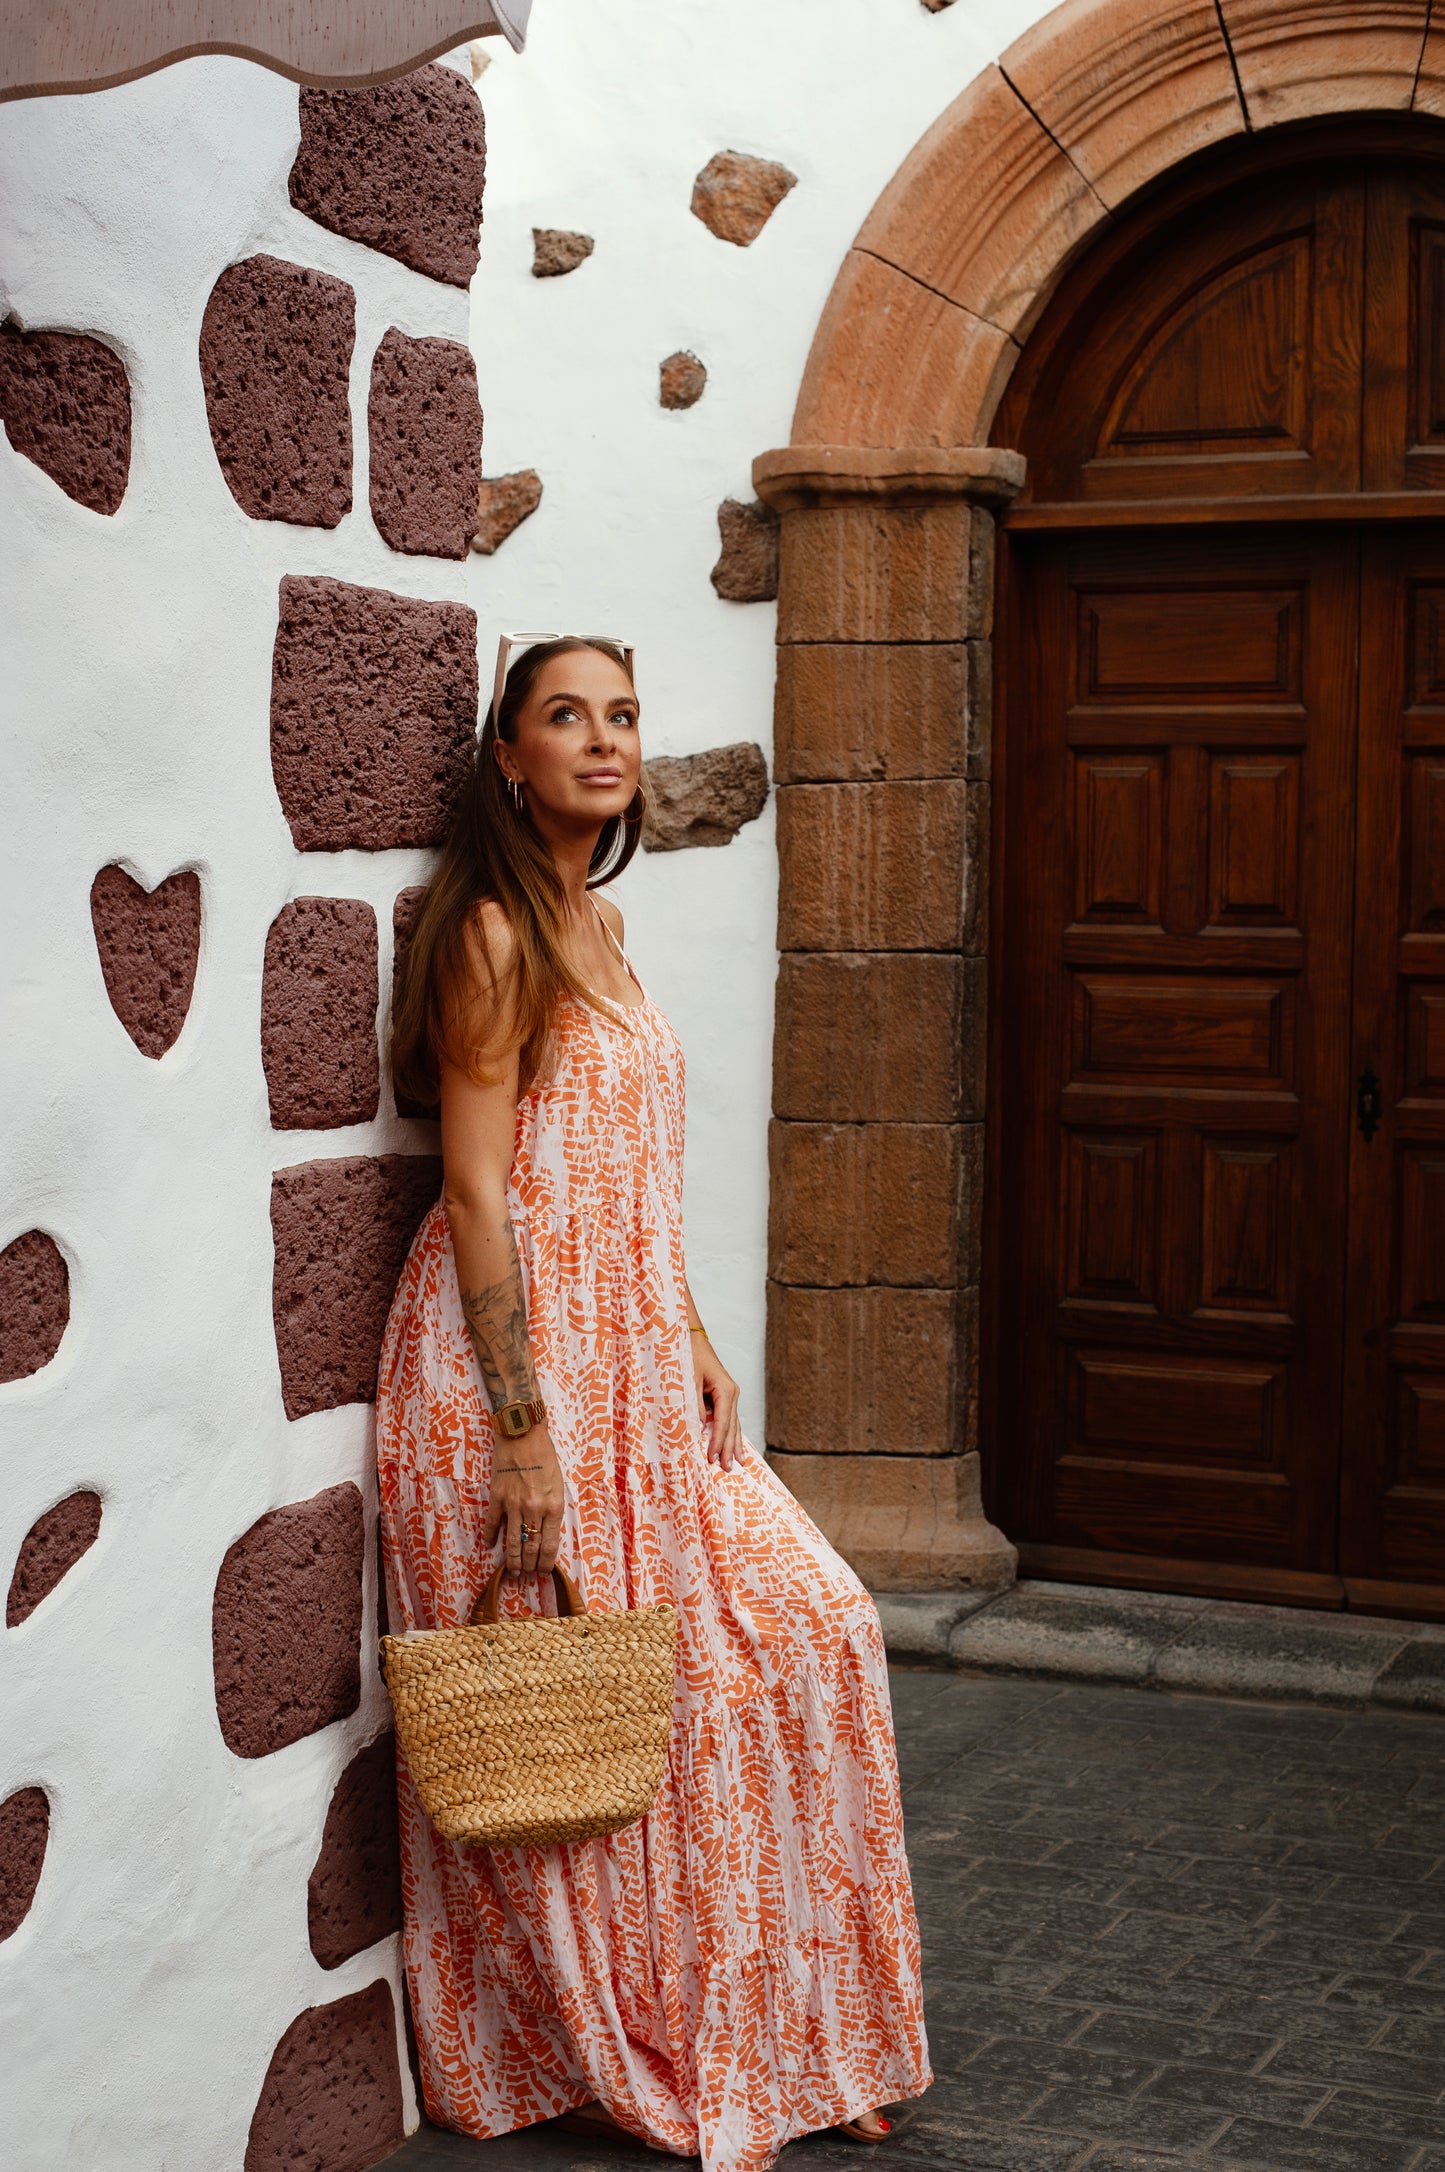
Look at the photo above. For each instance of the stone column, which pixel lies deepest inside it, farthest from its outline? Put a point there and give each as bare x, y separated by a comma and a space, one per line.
882, 765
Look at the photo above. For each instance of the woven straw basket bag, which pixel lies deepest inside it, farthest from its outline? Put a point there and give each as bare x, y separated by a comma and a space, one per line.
535, 1730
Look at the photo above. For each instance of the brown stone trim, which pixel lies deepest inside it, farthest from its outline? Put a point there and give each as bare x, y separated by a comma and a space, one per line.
45, 50
794, 476
965, 244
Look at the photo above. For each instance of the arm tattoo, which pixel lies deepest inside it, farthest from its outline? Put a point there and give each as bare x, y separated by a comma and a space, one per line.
496, 1318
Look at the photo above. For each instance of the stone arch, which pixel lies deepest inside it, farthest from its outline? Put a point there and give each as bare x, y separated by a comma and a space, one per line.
964, 246
882, 750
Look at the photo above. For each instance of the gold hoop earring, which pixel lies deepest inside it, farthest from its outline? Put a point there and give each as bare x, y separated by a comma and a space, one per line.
516, 791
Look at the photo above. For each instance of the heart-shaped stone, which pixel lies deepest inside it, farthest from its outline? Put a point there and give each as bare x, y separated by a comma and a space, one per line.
149, 941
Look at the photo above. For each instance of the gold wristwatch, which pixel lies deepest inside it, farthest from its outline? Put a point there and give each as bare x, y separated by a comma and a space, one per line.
515, 1419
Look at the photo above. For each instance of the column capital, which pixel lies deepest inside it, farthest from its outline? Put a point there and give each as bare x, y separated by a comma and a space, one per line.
793, 477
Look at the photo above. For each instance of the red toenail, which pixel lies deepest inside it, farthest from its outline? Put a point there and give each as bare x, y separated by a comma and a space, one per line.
886, 2125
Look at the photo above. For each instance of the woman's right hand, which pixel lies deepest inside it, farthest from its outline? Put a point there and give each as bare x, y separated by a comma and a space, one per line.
527, 1488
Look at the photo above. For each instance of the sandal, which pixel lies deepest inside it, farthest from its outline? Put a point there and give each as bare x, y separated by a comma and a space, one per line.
855, 2133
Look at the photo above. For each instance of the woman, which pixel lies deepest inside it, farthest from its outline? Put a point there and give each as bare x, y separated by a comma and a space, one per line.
740, 1966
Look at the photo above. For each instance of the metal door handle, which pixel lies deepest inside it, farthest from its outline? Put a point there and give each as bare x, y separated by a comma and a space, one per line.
1369, 1103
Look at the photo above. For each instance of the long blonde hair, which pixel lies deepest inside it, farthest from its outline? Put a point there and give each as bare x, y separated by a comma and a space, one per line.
493, 852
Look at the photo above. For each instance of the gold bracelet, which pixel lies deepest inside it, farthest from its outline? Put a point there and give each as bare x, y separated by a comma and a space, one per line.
515, 1419
698, 1330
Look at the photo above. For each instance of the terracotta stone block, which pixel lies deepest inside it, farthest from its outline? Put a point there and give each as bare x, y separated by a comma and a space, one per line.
403, 920
276, 345
34, 1303
864, 1203
331, 2099
424, 424
50, 1548
978, 762
399, 166
286, 1623
747, 567
875, 573
977, 843
853, 712
65, 404
1306, 57
866, 1038
981, 575
1430, 83
682, 380
353, 1897
969, 1260
373, 714
735, 195
904, 1523
557, 251
871, 866
503, 503
342, 1230
149, 942
1130, 89
1029, 207
703, 799
972, 1052
893, 363
896, 363
24, 1832
862, 1372
318, 1014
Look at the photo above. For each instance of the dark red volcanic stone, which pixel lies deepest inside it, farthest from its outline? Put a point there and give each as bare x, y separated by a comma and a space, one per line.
276, 345
149, 942
24, 1830
747, 567
354, 1894
65, 403
286, 1623
403, 921
318, 1014
342, 1230
34, 1303
400, 166
331, 2100
373, 714
53, 1544
425, 429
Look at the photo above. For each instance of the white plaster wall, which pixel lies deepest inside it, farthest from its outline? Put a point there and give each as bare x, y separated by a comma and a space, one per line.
602, 125
167, 1948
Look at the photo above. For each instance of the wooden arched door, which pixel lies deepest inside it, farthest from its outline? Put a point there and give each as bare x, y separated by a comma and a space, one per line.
1218, 1057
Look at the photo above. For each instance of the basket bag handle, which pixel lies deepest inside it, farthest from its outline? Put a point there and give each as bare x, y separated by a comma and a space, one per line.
569, 1599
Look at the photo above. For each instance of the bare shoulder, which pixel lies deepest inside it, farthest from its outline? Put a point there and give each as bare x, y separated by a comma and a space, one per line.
610, 914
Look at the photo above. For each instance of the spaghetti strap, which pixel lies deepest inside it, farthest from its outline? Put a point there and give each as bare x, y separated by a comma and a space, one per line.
622, 954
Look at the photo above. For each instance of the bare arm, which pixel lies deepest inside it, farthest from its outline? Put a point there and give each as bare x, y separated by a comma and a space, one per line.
478, 1128
717, 1393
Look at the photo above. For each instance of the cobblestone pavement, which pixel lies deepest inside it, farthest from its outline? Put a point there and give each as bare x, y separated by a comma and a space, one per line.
1161, 1934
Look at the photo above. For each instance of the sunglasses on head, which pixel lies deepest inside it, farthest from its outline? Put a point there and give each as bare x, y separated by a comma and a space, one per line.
511, 645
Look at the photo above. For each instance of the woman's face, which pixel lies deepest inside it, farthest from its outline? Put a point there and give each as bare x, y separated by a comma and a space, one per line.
577, 751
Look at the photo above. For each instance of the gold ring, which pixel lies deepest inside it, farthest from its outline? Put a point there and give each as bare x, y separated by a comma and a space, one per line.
528, 1531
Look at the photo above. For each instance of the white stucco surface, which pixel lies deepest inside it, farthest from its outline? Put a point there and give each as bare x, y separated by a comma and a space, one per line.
602, 125
167, 1948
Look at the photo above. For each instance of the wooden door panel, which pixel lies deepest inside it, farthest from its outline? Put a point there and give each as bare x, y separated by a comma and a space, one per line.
1393, 1520
1220, 356
1178, 1040
1404, 348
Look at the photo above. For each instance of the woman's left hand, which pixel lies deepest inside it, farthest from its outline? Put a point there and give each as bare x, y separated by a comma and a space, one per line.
717, 1398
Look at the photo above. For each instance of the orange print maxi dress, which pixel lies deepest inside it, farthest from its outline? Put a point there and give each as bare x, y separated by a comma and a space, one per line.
740, 1966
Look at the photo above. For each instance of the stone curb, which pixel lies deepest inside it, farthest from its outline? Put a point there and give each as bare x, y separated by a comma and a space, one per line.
1158, 1640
